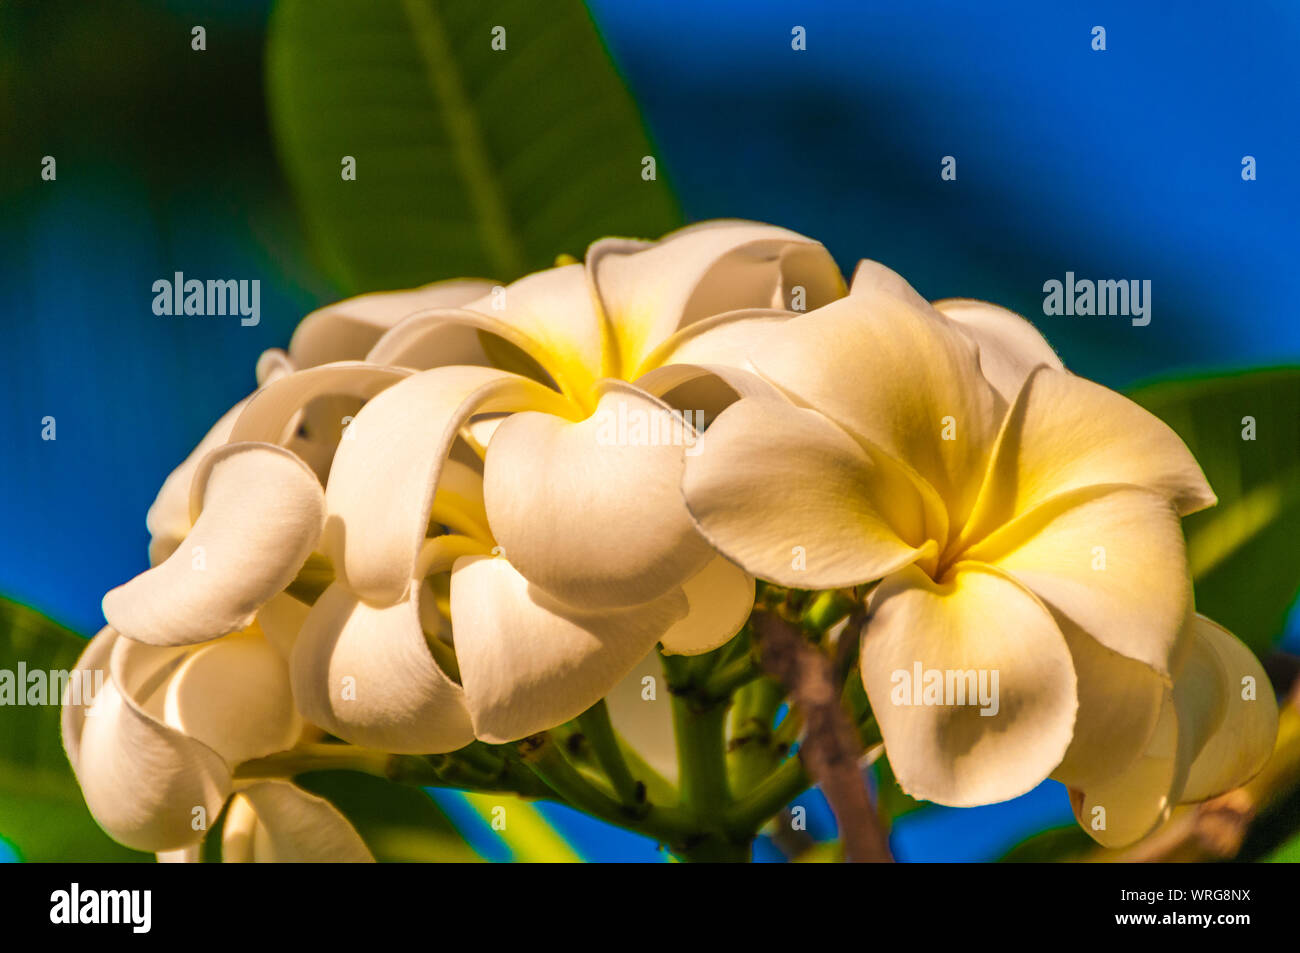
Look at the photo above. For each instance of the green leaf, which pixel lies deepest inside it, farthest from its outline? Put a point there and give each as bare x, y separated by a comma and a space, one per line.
1054, 845
893, 802
42, 812
1243, 551
398, 823
469, 160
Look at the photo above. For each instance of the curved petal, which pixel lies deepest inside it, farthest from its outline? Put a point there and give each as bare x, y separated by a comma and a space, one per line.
529, 662
169, 519
720, 339
1010, 347
281, 620
1063, 433
592, 511
270, 412
261, 516
80, 695
348, 329
1111, 559
971, 629
149, 786
278, 822
1215, 732
794, 499
641, 710
900, 376
556, 309
399, 441
1119, 706
1244, 732
233, 695
1138, 800
650, 290
365, 673
721, 597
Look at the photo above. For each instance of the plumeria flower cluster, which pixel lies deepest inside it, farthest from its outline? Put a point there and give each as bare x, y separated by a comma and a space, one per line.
432, 525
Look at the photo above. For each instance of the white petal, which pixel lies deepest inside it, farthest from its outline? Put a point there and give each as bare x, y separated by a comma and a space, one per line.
233, 695
529, 662
592, 511
1111, 558
149, 786
978, 622
278, 822
169, 519
721, 597
792, 498
381, 486
1063, 433
365, 673
650, 290
346, 330
272, 411
260, 518
1010, 347
1244, 733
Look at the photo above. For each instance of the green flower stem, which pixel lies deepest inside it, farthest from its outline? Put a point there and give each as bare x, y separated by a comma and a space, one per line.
753, 752
725, 680
701, 757
546, 759
599, 731
334, 757
774, 792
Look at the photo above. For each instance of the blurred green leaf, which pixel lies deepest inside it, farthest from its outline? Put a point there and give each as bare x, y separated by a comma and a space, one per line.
1054, 845
893, 803
1243, 551
42, 812
470, 161
398, 823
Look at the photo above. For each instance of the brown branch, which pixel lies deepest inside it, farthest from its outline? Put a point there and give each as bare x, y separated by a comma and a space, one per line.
831, 747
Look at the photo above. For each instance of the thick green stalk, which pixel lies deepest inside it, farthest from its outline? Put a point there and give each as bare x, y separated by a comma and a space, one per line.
599, 732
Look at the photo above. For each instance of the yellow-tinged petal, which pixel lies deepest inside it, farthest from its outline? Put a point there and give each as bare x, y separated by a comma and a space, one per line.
1119, 706
529, 662
346, 330
281, 620
1063, 433
591, 511
650, 290
1010, 347
1111, 559
278, 822
1133, 803
978, 623
365, 673
1246, 728
260, 511
792, 498
721, 339
721, 597
557, 310
898, 375
381, 487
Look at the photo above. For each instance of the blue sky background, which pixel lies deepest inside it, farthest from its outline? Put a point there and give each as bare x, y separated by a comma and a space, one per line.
1117, 164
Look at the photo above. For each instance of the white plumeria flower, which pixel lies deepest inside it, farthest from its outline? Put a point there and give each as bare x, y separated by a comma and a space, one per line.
156, 748
1022, 520
567, 556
